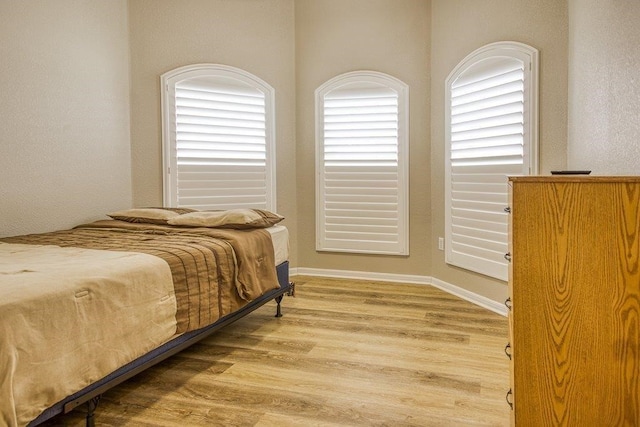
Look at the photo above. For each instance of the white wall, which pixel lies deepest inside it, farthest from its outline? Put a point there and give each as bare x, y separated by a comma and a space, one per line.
604, 90
64, 109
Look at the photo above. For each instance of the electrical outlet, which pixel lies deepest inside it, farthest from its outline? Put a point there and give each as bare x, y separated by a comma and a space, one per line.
441, 243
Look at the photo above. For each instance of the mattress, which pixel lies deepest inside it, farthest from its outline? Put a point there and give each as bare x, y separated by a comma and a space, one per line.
280, 240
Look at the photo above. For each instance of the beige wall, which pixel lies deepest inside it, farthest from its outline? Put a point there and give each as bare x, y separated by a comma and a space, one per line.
390, 36
460, 27
254, 35
76, 143
604, 91
64, 109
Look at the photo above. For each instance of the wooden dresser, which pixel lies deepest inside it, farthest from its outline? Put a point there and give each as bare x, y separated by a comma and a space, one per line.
574, 284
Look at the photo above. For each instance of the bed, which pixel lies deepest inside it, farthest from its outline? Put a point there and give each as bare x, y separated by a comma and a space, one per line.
84, 309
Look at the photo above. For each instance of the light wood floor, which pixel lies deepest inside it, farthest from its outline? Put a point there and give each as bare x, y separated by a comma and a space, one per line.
346, 353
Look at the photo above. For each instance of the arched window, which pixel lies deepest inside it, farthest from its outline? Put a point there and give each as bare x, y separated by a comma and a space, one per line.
218, 138
362, 146
491, 128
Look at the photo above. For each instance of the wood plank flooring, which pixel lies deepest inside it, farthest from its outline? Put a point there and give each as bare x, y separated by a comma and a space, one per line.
346, 353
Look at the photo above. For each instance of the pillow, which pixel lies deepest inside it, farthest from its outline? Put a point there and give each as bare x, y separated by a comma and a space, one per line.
238, 219
178, 210
145, 215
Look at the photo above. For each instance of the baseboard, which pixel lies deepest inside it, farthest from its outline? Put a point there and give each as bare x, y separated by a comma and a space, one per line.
462, 293
480, 300
362, 275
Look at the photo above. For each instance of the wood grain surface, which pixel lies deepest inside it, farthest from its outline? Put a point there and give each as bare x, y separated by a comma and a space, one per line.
576, 303
346, 353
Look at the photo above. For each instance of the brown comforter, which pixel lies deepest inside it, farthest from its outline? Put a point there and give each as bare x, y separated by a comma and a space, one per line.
70, 316
214, 271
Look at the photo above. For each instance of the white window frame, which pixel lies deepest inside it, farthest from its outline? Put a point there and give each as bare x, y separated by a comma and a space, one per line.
365, 238
492, 262
168, 83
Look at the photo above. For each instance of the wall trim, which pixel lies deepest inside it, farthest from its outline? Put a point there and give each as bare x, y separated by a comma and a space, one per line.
480, 300
462, 293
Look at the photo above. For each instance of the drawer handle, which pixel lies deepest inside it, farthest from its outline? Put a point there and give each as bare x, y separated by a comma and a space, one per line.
507, 303
507, 209
507, 350
507, 256
508, 397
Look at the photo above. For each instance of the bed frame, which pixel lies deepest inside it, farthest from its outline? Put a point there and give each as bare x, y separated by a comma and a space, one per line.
91, 394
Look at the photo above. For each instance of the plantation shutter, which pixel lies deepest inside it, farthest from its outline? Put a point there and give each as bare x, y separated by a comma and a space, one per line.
361, 184
489, 131
220, 156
